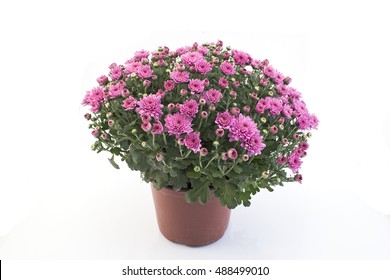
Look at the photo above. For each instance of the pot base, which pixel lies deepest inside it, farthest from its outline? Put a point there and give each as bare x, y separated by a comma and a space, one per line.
189, 224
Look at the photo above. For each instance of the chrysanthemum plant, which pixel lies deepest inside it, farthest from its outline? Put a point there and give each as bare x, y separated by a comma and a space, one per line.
202, 118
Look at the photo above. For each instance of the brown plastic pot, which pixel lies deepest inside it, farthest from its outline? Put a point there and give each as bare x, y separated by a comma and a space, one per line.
190, 224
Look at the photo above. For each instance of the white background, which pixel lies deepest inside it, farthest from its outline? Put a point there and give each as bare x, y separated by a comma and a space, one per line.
59, 200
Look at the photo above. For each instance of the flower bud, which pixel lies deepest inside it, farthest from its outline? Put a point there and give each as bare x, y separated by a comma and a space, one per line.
263, 119
171, 106
196, 168
270, 93
265, 62
212, 107
219, 132
183, 91
147, 83
133, 75
235, 111
202, 101
159, 157
180, 141
224, 156
204, 114
134, 131
215, 143
232, 153
168, 70
273, 129
245, 157
104, 136
281, 127
287, 80
87, 116
233, 94
110, 123
95, 133
143, 144
203, 152
265, 132
247, 108
265, 174
296, 136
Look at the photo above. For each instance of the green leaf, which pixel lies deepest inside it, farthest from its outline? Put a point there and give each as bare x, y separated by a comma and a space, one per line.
199, 190
140, 160
238, 169
226, 192
194, 175
116, 151
160, 178
179, 182
113, 163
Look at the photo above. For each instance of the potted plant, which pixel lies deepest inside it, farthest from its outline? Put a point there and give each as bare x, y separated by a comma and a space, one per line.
207, 125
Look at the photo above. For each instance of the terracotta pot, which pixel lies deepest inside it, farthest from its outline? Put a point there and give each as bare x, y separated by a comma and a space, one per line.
189, 224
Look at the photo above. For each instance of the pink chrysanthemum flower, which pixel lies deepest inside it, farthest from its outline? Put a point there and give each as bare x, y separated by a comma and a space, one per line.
141, 54
102, 80
224, 120
278, 78
227, 68
116, 90
304, 121
180, 76
287, 111
145, 72
192, 141
94, 98
146, 126
294, 161
314, 121
223, 82
129, 103
212, 96
190, 58
177, 124
132, 67
169, 85
254, 145
196, 85
151, 105
241, 57
157, 128
203, 67
189, 108
116, 73
269, 71
275, 106
242, 128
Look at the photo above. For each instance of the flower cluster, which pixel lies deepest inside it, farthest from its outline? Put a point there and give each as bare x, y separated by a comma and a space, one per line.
202, 117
